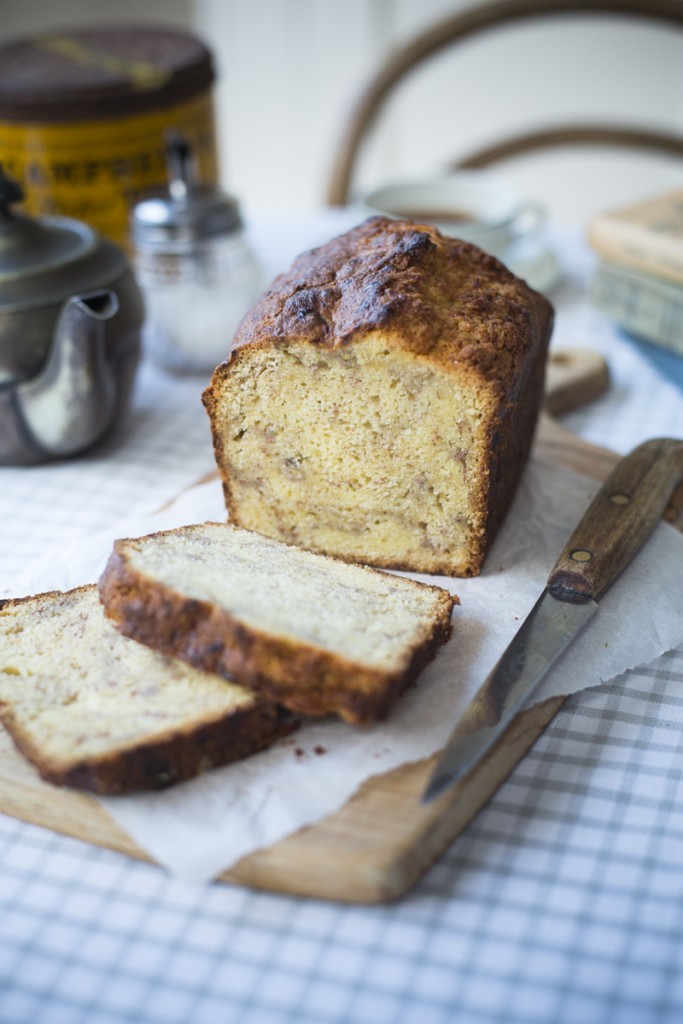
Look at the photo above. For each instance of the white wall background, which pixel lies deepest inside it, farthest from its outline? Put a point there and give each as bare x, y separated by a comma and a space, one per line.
290, 70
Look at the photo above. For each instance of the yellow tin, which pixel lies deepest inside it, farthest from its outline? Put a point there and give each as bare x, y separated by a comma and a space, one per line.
83, 117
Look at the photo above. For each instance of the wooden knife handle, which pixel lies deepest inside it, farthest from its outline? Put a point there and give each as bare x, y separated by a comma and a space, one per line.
618, 522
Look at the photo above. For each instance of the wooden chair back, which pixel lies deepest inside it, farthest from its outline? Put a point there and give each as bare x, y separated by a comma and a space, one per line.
459, 27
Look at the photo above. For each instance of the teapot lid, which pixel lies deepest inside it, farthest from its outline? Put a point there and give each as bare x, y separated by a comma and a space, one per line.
42, 262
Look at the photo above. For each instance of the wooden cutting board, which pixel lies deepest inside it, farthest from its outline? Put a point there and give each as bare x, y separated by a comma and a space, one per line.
383, 839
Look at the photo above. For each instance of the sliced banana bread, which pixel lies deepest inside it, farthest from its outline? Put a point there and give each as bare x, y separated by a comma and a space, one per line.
313, 633
94, 710
381, 400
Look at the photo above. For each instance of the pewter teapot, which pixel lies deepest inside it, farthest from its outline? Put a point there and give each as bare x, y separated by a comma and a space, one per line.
71, 316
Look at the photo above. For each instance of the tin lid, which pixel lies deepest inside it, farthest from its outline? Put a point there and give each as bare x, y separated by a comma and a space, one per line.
188, 212
90, 74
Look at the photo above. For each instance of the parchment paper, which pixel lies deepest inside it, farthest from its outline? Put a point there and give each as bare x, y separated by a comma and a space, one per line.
200, 828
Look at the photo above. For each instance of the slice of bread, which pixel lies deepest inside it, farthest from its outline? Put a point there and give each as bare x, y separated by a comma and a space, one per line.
315, 634
96, 711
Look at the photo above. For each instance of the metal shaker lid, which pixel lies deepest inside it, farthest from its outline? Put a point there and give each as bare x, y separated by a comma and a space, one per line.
188, 212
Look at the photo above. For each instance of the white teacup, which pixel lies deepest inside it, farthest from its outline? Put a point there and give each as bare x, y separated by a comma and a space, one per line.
472, 205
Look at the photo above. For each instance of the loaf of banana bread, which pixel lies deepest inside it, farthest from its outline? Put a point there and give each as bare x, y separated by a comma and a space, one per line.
381, 400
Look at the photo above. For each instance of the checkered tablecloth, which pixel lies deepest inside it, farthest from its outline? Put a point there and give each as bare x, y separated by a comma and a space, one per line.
562, 902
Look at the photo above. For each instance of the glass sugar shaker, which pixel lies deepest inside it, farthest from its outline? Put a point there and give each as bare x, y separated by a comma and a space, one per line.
198, 275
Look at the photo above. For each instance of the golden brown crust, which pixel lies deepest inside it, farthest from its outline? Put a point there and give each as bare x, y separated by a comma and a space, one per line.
175, 756
166, 760
306, 679
446, 297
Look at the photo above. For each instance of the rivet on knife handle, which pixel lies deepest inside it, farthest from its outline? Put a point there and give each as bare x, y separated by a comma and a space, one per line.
622, 516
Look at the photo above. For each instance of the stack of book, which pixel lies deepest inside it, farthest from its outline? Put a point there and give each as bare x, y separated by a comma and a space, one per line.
639, 278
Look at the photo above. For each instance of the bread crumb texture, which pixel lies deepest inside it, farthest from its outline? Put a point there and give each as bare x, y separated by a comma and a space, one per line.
94, 709
381, 400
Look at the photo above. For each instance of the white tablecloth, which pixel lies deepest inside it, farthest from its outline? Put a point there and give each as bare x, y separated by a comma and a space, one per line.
562, 902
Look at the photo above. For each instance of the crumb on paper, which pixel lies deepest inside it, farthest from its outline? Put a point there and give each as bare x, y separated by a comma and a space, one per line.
382, 753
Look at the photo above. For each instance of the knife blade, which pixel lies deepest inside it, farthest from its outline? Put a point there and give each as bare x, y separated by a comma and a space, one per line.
619, 520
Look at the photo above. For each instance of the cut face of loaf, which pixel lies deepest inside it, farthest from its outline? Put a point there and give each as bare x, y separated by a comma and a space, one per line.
94, 710
312, 633
381, 401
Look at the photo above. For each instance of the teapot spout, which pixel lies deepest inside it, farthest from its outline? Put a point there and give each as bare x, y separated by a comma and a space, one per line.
72, 402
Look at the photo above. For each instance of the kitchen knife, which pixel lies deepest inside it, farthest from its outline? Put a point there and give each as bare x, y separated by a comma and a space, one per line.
618, 522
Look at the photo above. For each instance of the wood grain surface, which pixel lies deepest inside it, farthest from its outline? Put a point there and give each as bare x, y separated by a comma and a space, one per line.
381, 842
